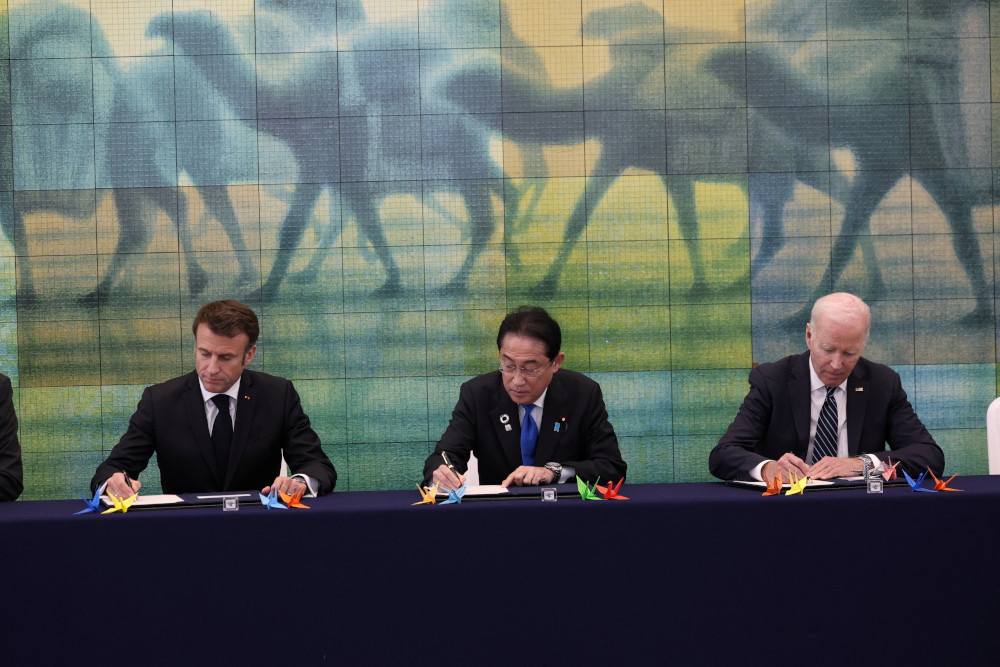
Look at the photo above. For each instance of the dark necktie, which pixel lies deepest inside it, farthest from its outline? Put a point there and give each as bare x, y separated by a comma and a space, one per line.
529, 436
222, 434
825, 442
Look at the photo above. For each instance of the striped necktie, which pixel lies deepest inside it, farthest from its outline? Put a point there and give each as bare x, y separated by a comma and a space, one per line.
825, 442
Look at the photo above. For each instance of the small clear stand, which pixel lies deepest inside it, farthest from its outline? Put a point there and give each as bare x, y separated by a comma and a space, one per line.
230, 504
872, 482
548, 495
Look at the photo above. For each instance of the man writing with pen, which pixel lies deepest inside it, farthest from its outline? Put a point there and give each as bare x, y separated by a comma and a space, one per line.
529, 422
221, 427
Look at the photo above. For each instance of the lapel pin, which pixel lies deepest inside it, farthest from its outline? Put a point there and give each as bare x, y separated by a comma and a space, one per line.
246, 397
555, 427
859, 389
505, 420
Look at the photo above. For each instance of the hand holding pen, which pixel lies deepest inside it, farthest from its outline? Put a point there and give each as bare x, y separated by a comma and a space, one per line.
120, 485
447, 475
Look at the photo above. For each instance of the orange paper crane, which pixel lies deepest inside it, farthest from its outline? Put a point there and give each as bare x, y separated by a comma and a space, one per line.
294, 500
889, 473
611, 492
943, 486
798, 484
774, 486
429, 495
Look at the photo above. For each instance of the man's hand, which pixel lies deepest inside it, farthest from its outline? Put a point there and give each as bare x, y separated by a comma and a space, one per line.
119, 488
529, 476
829, 467
788, 462
446, 479
286, 484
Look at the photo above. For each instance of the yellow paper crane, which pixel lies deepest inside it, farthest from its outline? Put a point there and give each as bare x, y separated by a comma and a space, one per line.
798, 484
429, 495
120, 504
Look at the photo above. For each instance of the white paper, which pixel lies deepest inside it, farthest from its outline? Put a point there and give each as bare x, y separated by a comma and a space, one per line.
482, 490
165, 499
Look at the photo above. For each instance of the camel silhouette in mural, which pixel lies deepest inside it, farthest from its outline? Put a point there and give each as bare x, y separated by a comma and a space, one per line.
366, 146
882, 137
286, 110
133, 160
639, 137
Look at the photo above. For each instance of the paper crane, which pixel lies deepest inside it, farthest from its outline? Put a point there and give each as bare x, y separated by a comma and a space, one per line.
92, 505
943, 486
798, 484
916, 485
586, 492
120, 504
889, 473
611, 492
294, 500
773, 487
455, 495
271, 500
429, 495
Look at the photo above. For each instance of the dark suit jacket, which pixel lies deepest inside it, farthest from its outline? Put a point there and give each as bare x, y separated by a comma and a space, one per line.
585, 440
11, 472
774, 419
170, 421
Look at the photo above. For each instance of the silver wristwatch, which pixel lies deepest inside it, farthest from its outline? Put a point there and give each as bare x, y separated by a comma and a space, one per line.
556, 468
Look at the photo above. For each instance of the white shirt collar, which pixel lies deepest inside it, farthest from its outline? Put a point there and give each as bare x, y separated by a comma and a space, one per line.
233, 392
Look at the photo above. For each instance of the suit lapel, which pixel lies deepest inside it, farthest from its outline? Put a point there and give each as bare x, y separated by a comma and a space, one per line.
505, 414
553, 411
799, 388
857, 405
245, 405
194, 407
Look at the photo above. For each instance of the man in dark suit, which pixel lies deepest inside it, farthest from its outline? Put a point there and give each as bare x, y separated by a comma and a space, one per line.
569, 433
11, 471
820, 414
201, 446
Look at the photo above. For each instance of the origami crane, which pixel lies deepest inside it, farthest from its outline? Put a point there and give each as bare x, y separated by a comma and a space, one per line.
429, 495
611, 492
798, 484
773, 487
294, 500
92, 505
586, 492
271, 500
889, 473
455, 495
943, 486
915, 485
120, 504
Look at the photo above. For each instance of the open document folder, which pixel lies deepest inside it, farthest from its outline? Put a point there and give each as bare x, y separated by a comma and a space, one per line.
857, 482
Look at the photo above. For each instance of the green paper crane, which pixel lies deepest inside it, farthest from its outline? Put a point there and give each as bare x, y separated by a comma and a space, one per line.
586, 492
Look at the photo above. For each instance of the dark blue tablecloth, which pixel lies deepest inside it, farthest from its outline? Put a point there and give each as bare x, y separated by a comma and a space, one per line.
680, 573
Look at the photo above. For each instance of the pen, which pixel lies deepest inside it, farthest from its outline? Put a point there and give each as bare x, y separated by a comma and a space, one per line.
444, 455
128, 481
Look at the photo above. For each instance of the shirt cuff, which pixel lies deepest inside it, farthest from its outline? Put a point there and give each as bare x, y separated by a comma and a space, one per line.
310, 483
568, 473
755, 472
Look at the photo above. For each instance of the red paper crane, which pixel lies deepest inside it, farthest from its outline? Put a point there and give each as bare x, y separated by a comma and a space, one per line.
611, 492
889, 473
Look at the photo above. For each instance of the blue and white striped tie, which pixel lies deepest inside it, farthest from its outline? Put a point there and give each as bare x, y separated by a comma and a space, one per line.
825, 442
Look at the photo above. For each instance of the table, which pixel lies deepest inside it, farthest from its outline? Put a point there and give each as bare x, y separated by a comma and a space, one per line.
697, 573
